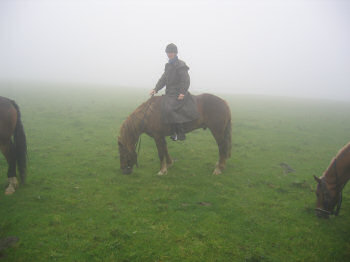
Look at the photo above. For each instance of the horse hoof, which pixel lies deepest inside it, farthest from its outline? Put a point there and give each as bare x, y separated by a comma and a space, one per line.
162, 173
13, 184
217, 171
10, 190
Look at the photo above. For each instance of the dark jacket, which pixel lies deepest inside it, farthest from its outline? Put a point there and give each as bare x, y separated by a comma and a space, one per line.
175, 78
177, 81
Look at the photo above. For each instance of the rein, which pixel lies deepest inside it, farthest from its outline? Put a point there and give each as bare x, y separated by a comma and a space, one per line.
337, 186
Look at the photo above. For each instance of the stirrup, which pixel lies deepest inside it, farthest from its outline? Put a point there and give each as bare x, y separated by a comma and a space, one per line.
174, 137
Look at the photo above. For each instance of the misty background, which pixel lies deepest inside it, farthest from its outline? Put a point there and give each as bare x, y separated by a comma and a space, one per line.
288, 48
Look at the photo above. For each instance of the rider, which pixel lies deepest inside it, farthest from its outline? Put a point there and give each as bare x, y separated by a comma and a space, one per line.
178, 105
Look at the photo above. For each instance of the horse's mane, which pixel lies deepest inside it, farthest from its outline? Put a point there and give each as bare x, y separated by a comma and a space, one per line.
130, 128
343, 151
339, 155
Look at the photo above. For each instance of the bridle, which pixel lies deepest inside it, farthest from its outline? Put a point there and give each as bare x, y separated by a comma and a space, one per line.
339, 191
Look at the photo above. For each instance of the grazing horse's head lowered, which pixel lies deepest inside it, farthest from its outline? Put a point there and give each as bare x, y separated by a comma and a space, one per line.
327, 199
330, 185
128, 158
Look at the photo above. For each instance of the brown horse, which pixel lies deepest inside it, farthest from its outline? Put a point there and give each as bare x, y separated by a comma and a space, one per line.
214, 114
14, 151
331, 184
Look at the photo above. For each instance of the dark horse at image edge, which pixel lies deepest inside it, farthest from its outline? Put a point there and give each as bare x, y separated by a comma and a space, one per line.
331, 184
214, 114
14, 150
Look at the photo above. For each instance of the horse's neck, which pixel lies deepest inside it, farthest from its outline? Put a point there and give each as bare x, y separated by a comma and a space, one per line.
345, 176
138, 125
133, 129
338, 173
135, 124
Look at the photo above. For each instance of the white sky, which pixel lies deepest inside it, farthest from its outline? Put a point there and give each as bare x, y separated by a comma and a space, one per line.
298, 48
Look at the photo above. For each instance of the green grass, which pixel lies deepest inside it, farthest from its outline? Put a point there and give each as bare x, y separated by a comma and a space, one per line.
77, 206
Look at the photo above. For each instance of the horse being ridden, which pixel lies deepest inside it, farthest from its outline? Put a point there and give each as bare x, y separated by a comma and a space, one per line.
14, 151
331, 184
214, 114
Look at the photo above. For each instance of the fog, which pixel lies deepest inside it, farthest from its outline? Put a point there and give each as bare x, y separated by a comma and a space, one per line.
288, 48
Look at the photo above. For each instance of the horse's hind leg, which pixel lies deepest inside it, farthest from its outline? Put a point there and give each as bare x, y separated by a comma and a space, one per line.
8, 149
221, 164
165, 160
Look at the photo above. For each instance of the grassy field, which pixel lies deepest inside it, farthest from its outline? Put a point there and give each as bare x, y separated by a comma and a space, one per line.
77, 206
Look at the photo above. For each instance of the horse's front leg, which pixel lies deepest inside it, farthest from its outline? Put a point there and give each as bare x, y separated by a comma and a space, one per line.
165, 160
169, 161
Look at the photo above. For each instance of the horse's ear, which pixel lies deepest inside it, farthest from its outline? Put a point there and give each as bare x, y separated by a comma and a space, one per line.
318, 180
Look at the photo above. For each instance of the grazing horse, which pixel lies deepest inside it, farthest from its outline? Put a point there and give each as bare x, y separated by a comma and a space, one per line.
214, 113
14, 151
331, 184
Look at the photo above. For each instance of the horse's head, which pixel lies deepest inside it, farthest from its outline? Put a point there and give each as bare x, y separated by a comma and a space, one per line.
128, 158
327, 199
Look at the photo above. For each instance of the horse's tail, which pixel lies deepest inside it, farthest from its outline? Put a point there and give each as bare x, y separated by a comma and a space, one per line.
227, 143
20, 145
